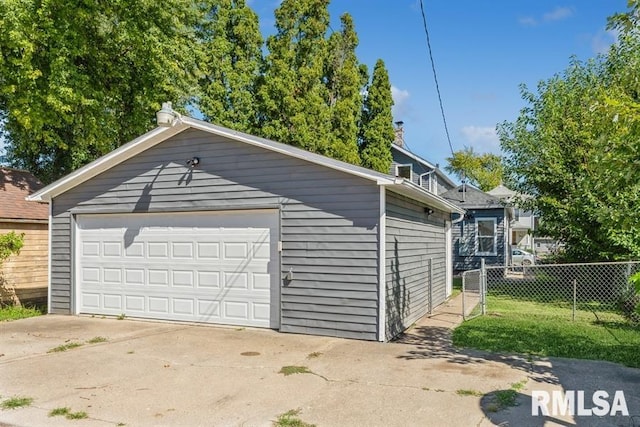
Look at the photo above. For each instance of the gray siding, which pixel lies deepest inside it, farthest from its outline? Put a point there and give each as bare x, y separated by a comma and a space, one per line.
401, 159
418, 169
465, 231
412, 240
328, 230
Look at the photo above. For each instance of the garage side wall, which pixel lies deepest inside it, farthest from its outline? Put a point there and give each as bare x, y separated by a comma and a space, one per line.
328, 222
414, 241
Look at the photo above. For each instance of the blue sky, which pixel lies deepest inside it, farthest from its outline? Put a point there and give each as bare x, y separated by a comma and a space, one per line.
483, 51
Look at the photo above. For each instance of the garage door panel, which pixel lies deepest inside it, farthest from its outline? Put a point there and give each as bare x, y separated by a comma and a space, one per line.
159, 305
112, 302
135, 303
158, 277
182, 278
90, 248
209, 279
214, 271
91, 300
208, 251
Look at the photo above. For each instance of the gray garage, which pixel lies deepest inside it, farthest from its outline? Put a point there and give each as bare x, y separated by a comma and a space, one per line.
195, 222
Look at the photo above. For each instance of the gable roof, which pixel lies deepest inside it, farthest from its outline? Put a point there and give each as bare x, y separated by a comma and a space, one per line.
160, 134
502, 191
428, 164
15, 186
472, 198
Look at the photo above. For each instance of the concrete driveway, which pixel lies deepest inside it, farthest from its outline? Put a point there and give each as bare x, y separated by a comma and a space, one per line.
163, 374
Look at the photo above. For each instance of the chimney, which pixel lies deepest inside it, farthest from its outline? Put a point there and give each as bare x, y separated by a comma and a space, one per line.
399, 131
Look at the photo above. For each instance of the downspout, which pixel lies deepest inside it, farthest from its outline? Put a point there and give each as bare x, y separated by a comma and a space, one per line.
457, 220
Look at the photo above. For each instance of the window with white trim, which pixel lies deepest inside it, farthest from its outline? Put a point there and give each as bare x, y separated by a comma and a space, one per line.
404, 171
486, 236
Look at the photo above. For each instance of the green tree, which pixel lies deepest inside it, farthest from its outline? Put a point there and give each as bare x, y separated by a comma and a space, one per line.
292, 95
78, 79
482, 170
576, 149
345, 82
232, 46
376, 127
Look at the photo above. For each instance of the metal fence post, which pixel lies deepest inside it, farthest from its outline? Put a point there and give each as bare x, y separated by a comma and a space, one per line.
573, 314
483, 287
464, 308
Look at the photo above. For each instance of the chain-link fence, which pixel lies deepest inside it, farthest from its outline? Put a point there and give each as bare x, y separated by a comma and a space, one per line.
574, 291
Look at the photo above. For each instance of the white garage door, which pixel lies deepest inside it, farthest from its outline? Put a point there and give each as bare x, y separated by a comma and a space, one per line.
216, 267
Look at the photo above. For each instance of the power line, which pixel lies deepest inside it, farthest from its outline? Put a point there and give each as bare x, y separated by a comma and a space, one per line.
435, 76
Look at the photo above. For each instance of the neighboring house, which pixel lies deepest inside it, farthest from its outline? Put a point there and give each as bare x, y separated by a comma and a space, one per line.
523, 223
484, 231
23, 277
201, 223
418, 170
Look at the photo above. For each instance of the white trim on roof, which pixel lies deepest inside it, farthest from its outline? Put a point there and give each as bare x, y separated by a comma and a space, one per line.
424, 162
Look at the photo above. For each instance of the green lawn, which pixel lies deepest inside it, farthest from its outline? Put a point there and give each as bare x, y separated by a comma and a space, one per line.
14, 313
535, 328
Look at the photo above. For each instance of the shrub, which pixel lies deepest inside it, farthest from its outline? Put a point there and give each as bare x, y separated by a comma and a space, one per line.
10, 244
630, 300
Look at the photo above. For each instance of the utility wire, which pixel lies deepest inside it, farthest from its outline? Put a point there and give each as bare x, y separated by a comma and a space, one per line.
435, 76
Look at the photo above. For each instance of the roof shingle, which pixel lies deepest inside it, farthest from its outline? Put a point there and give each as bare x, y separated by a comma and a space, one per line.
15, 185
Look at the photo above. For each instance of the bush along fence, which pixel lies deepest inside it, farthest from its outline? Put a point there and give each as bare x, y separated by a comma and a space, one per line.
594, 291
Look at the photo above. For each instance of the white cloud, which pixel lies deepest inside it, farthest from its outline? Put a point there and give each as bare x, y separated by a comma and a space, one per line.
400, 102
601, 42
483, 139
558, 14
528, 21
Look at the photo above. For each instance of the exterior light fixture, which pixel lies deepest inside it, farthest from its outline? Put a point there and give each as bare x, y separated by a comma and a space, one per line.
193, 162
428, 211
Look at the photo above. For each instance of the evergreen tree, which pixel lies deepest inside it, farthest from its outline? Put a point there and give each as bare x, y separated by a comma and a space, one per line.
293, 96
345, 83
233, 57
376, 128
78, 79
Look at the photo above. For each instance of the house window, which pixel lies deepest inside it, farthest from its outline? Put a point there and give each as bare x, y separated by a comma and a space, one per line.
404, 171
486, 236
